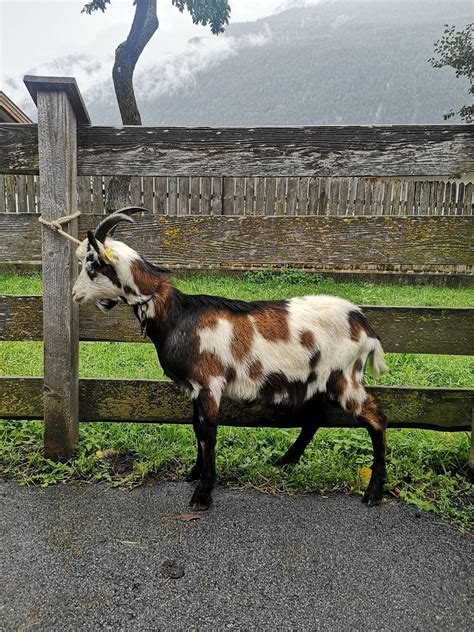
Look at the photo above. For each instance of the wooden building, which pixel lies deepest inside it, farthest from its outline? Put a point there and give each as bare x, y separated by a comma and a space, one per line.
11, 113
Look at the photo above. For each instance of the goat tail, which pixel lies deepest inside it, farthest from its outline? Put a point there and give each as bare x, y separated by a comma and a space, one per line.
376, 360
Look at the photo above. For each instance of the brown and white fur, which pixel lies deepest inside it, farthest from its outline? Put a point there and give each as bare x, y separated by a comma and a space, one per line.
297, 353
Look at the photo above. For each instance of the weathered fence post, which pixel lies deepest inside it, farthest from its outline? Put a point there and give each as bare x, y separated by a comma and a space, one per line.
60, 108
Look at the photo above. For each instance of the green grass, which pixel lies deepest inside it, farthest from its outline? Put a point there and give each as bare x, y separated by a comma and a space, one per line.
428, 469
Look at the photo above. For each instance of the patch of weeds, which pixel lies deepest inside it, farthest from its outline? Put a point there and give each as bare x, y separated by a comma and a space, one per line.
425, 468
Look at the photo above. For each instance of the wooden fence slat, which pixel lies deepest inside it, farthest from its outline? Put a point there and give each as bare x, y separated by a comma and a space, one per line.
136, 191
250, 208
280, 196
292, 196
216, 196
183, 199
468, 199
21, 198
360, 195
260, 186
270, 193
239, 196
161, 196
148, 200
84, 196
228, 197
206, 193
3, 201
402, 329
172, 195
152, 401
453, 198
10, 195
97, 196
195, 196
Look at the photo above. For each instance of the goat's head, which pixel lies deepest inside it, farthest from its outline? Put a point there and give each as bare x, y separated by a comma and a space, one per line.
107, 265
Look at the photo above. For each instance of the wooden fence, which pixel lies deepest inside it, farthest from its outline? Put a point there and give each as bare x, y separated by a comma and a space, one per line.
59, 154
184, 195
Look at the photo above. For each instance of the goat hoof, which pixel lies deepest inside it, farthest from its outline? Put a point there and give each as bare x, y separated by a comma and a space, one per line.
200, 501
372, 501
285, 461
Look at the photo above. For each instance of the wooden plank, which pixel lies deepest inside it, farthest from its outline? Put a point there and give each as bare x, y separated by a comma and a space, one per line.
150, 401
21, 197
206, 194
57, 162
183, 199
172, 195
65, 85
334, 150
292, 196
10, 194
397, 150
425, 198
239, 196
250, 208
18, 148
343, 195
97, 196
280, 196
425, 243
3, 201
259, 196
148, 200
270, 196
195, 203
228, 196
313, 194
31, 193
161, 196
216, 196
468, 208
84, 196
402, 329
360, 196
136, 191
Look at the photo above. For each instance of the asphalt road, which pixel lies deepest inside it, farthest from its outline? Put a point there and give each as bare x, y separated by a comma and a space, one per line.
91, 558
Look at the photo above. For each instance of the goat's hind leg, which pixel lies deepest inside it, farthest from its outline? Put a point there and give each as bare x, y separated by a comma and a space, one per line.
375, 422
312, 414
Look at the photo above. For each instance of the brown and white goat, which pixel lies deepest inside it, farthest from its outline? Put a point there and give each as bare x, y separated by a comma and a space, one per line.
296, 353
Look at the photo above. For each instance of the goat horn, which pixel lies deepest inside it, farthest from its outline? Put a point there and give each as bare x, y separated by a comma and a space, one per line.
108, 225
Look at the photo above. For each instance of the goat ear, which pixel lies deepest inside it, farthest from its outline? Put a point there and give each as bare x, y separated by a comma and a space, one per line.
93, 241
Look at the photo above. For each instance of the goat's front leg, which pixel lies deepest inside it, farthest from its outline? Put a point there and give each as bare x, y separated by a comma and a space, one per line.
207, 412
195, 473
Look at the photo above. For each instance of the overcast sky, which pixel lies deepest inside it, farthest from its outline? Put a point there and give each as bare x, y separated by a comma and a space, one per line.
33, 32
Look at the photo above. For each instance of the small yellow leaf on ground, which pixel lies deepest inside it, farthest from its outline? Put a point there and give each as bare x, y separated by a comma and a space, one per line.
364, 474
102, 454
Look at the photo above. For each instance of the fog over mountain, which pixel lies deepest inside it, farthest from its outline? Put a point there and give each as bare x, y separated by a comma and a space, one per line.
327, 62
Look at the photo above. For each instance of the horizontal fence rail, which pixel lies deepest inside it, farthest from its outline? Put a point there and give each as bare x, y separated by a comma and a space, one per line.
398, 150
402, 329
183, 195
163, 402
431, 244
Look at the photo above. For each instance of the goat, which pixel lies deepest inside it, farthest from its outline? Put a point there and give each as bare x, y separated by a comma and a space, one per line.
296, 353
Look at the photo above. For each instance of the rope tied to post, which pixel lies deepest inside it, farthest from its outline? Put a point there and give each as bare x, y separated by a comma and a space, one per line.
56, 225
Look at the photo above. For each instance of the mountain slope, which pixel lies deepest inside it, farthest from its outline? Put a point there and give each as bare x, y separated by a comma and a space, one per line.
339, 62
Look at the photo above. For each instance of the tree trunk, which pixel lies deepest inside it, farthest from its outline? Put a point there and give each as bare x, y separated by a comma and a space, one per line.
144, 25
